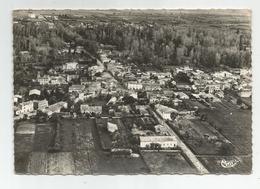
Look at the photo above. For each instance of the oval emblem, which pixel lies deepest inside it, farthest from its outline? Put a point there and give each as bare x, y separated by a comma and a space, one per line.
229, 163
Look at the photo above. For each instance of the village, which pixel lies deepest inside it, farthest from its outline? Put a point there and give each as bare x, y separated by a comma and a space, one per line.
104, 111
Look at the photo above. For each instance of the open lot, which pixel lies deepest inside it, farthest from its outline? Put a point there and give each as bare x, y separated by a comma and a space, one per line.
167, 163
104, 136
199, 135
234, 124
51, 163
80, 151
43, 136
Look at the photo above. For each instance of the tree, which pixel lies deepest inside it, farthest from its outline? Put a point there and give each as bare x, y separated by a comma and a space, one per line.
226, 149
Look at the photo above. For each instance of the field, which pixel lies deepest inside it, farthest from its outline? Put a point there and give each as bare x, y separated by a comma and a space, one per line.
234, 124
80, 151
213, 164
51, 163
23, 147
167, 163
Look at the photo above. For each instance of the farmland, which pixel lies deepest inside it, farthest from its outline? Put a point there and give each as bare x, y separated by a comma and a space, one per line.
167, 163
80, 152
234, 124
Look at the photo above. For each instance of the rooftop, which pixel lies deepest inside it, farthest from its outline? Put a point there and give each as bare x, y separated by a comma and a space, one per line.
157, 138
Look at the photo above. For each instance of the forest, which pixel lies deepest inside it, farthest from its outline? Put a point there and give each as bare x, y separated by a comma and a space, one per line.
143, 41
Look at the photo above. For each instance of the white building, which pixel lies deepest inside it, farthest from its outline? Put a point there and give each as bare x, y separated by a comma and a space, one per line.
16, 98
42, 104
76, 88
134, 85
133, 94
58, 80
31, 15
161, 130
245, 93
34, 92
25, 108
222, 74
181, 95
164, 111
43, 80
85, 108
56, 108
70, 66
164, 141
111, 127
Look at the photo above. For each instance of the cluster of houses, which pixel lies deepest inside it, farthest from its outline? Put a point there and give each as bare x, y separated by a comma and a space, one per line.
110, 77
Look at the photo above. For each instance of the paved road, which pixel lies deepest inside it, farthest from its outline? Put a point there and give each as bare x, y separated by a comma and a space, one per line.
199, 166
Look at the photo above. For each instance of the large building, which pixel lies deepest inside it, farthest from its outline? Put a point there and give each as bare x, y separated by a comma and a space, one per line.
70, 66
134, 85
245, 93
164, 111
85, 108
76, 88
56, 108
25, 108
44, 80
163, 141
42, 104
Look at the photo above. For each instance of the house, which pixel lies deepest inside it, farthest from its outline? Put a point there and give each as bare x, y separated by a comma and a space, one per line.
133, 94
80, 49
152, 87
57, 80
111, 127
55, 108
85, 108
245, 93
181, 95
163, 81
112, 100
94, 88
42, 104
162, 75
82, 96
164, 141
184, 87
71, 77
124, 108
44, 80
70, 66
17, 98
132, 85
160, 129
35, 92
25, 108
76, 88
222, 74
31, 15
213, 87
84, 81
143, 109
164, 111
95, 69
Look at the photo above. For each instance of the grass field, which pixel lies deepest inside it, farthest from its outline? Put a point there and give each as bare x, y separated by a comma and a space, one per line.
167, 163
51, 163
234, 124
